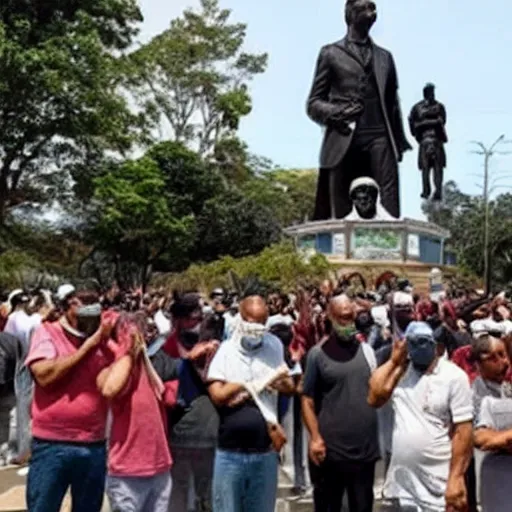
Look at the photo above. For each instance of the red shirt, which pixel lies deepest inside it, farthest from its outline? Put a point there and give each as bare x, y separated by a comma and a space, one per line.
138, 439
71, 409
462, 358
171, 345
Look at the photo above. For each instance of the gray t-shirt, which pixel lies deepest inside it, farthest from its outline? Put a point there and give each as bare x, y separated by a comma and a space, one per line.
495, 493
337, 378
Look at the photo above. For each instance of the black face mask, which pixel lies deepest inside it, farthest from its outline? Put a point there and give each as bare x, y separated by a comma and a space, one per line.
88, 325
189, 338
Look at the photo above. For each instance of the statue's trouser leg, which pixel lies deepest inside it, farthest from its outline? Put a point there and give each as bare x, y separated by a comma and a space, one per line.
322, 202
333, 200
332, 192
426, 183
438, 181
384, 170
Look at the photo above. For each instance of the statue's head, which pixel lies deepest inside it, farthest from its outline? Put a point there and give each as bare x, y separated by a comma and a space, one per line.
429, 92
364, 193
361, 13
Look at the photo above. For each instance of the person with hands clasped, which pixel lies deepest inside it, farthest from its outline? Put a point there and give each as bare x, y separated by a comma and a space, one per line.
432, 437
244, 378
69, 414
139, 460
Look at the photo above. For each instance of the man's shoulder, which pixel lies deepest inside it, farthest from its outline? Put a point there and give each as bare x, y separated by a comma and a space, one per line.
272, 343
451, 372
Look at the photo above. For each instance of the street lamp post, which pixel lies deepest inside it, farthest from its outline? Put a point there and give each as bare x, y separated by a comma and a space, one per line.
487, 153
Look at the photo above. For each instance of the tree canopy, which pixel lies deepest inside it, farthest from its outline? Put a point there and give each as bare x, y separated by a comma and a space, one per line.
196, 76
60, 99
464, 216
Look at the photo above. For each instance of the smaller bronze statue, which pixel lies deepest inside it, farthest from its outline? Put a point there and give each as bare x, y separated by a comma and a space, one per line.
427, 122
365, 196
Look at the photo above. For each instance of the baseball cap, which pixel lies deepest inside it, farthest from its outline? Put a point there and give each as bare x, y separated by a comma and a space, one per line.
64, 291
419, 330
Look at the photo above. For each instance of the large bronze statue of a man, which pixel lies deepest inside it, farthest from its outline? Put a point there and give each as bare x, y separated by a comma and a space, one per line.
355, 97
427, 122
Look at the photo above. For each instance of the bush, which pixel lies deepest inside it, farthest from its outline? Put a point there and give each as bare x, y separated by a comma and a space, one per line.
280, 266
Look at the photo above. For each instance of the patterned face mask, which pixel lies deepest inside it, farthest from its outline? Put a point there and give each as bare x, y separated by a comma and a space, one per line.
252, 335
344, 331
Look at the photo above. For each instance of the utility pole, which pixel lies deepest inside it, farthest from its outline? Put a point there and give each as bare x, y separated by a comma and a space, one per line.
487, 153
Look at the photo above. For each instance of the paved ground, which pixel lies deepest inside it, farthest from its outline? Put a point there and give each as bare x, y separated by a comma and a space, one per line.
12, 494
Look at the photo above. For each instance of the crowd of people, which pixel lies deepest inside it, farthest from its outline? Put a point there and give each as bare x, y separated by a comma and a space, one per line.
176, 402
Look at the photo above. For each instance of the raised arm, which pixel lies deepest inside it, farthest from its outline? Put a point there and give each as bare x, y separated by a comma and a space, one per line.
113, 380
384, 380
50, 369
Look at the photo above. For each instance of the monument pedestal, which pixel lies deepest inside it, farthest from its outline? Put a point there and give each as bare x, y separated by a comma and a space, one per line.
409, 248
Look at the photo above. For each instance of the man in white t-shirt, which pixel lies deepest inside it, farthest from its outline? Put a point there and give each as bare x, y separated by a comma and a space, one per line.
432, 437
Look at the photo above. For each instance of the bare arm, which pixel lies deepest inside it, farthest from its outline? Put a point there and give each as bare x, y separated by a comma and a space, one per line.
222, 393
488, 439
383, 381
111, 381
456, 495
462, 449
48, 371
309, 416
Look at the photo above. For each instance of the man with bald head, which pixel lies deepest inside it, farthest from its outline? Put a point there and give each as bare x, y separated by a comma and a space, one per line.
245, 376
343, 446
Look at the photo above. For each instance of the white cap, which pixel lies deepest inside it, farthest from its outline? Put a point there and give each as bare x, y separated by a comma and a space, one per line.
13, 294
403, 299
64, 291
363, 181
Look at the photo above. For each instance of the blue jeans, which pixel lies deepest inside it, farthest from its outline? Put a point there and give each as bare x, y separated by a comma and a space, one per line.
54, 467
245, 482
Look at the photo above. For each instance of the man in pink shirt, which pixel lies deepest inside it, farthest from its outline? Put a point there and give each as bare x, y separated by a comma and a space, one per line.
69, 414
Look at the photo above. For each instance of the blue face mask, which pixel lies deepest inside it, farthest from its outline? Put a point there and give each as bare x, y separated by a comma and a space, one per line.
422, 352
250, 343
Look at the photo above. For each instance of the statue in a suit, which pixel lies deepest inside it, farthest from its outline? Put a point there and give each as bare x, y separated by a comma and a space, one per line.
355, 97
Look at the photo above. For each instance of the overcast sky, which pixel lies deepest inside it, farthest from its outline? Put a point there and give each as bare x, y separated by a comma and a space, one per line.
460, 45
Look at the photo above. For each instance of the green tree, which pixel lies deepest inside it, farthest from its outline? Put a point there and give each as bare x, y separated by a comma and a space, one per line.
463, 215
60, 76
135, 224
288, 194
189, 180
234, 225
195, 75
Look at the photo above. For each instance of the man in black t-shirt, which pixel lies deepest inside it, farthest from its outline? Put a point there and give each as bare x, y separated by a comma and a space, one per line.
10, 354
342, 426
245, 376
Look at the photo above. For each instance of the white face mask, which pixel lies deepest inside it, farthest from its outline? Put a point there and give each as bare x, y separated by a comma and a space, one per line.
252, 335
